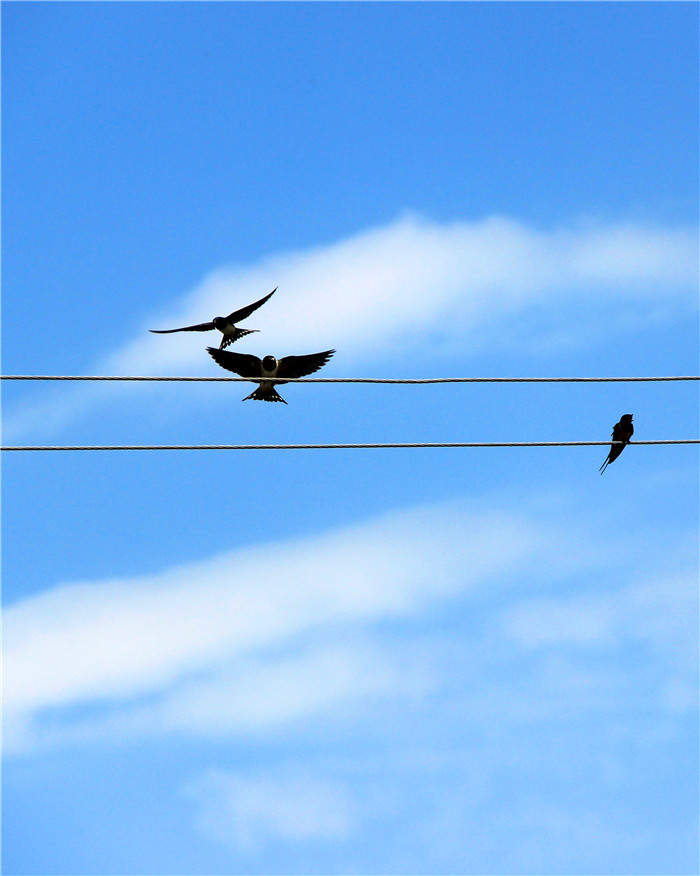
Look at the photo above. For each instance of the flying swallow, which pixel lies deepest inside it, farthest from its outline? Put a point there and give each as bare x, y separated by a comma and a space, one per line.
250, 366
622, 431
225, 324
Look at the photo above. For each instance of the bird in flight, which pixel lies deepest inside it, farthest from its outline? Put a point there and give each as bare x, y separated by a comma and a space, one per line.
225, 324
622, 431
246, 365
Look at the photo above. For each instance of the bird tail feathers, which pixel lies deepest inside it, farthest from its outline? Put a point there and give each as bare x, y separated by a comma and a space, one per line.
269, 394
227, 340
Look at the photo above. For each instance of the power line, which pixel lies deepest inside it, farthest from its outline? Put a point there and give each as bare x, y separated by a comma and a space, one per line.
349, 446
355, 379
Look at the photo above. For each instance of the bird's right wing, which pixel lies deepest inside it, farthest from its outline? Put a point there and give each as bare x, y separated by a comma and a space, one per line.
242, 364
202, 327
245, 312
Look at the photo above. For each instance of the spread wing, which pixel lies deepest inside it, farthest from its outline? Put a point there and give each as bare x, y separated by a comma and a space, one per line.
300, 366
245, 312
202, 327
242, 364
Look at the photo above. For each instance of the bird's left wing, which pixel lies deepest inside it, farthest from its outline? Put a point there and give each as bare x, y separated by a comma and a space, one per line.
300, 366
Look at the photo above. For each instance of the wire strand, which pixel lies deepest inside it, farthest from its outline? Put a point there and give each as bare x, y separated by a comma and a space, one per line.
349, 446
406, 380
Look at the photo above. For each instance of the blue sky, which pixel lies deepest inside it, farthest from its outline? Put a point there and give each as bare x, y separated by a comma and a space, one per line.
477, 661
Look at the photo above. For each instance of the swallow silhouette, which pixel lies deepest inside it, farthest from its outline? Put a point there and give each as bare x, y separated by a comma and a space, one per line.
250, 366
622, 431
225, 324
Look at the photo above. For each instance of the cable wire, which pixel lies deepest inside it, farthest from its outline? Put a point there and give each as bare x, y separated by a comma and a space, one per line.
349, 446
407, 380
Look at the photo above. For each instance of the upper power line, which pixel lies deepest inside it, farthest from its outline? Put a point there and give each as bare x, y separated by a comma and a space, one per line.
408, 380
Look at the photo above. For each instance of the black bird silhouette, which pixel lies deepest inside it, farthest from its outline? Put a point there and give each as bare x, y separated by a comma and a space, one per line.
622, 431
225, 324
250, 366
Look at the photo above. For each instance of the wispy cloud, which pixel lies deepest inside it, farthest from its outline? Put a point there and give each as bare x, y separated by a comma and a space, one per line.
576, 693
413, 284
648, 610
183, 635
225, 646
245, 812
389, 285
526, 730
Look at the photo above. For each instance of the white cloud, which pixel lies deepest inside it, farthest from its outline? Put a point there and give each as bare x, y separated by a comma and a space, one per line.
292, 805
120, 640
267, 693
660, 611
225, 647
389, 285
411, 285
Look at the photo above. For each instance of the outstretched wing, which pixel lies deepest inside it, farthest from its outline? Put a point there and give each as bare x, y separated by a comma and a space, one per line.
202, 327
300, 366
245, 312
240, 363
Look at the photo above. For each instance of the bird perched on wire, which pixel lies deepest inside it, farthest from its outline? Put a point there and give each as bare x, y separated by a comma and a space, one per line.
622, 431
246, 365
225, 324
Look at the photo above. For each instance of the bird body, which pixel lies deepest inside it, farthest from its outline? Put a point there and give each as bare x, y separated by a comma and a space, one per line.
622, 431
225, 324
289, 367
266, 391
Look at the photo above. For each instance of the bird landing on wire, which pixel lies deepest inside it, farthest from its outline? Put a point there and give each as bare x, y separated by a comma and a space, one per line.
290, 367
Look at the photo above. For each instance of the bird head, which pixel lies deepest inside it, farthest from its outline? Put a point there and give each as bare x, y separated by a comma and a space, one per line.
220, 322
626, 418
269, 362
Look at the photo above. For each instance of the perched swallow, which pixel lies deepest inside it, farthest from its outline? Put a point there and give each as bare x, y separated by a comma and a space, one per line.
225, 324
250, 366
622, 431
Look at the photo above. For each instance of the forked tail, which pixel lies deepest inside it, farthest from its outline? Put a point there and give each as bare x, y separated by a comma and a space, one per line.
266, 393
227, 340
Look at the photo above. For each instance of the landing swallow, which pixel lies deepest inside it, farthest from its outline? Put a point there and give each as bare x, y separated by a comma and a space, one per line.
250, 366
622, 431
225, 324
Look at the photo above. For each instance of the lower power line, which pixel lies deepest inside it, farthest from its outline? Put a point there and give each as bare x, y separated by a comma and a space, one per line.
346, 446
